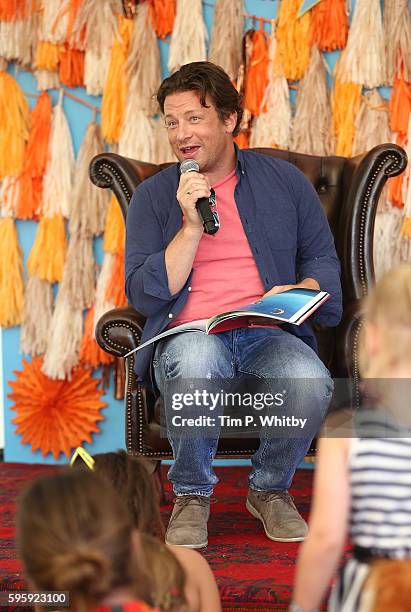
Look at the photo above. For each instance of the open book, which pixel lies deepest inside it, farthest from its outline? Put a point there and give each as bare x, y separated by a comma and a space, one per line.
292, 306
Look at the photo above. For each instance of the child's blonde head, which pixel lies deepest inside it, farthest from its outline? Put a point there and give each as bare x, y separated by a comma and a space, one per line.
385, 340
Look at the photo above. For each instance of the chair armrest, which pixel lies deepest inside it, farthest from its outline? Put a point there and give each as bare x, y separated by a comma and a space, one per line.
120, 174
119, 330
364, 179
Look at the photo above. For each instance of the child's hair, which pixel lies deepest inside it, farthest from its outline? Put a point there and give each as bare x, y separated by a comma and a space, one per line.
75, 535
131, 477
388, 306
135, 485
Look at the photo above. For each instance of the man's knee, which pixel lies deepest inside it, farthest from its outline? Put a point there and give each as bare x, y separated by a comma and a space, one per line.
193, 355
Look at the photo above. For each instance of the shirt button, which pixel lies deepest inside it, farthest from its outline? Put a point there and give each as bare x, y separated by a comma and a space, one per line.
170, 316
189, 289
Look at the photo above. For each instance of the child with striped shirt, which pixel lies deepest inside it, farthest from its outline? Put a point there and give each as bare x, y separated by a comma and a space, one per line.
363, 481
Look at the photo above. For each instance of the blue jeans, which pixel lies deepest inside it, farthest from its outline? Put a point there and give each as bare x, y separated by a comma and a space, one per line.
265, 355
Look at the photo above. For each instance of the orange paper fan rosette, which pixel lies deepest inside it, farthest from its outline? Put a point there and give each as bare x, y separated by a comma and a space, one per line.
55, 415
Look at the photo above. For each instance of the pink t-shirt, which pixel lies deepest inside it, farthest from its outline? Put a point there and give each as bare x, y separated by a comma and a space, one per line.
225, 275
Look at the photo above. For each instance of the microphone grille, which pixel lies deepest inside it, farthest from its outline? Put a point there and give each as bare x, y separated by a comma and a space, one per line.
189, 165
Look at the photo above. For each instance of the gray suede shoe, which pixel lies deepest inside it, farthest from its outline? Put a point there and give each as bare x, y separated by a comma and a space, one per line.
188, 522
278, 514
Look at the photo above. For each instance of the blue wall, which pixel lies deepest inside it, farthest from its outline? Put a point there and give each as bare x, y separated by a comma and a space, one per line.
112, 428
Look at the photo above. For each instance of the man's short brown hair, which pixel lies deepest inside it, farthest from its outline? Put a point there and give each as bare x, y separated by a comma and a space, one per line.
205, 78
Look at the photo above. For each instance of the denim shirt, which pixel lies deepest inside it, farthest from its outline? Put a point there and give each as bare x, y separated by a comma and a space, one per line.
283, 220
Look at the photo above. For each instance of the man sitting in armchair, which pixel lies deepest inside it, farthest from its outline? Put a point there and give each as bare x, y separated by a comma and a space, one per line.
273, 235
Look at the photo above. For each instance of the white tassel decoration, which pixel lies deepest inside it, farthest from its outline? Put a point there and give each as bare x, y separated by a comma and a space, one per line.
371, 123
309, 136
143, 63
397, 30
363, 61
89, 203
272, 128
188, 40
35, 329
227, 36
58, 180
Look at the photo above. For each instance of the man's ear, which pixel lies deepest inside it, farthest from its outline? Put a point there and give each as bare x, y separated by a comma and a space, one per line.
230, 123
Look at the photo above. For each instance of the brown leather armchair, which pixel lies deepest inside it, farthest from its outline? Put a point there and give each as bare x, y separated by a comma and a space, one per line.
348, 189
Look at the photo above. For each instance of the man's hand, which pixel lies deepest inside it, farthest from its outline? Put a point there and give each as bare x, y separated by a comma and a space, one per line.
193, 186
307, 283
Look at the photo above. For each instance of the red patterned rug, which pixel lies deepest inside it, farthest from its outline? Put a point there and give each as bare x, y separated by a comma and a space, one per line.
252, 572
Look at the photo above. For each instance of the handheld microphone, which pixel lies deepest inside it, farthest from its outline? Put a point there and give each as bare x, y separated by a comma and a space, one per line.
203, 207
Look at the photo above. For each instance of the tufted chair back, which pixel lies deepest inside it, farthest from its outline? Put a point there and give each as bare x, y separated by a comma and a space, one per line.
348, 189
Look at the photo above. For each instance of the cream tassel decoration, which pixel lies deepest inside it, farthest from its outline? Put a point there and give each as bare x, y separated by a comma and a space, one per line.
137, 137
143, 63
99, 21
371, 123
59, 173
163, 152
387, 239
89, 203
46, 79
397, 30
55, 20
64, 341
312, 122
188, 40
227, 35
272, 128
363, 61
35, 329
101, 304
77, 285
9, 196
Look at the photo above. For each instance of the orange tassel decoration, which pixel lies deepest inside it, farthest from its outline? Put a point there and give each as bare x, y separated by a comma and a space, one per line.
35, 159
71, 70
329, 25
346, 98
400, 105
115, 288
11, 275
242, 139
114, 233
293, 39
163, 13
47, 56
115, 88
46, 259
54, 416
12, 10
395, 184
90, 352
256, 73
14, 125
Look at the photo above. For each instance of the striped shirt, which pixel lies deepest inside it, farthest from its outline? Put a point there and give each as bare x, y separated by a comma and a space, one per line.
380, 477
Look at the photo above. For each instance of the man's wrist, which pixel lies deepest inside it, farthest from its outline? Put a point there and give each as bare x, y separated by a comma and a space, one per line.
309, 283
